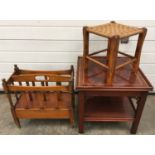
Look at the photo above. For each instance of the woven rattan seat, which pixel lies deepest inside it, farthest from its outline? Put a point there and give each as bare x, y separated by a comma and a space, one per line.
114, 29
114, 32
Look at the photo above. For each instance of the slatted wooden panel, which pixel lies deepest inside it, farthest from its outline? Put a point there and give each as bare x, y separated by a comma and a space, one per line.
56, 45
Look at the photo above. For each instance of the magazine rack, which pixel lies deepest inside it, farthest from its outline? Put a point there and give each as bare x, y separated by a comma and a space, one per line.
36, 94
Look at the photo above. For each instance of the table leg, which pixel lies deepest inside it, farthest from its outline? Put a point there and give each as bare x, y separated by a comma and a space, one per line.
81, 112
140, 106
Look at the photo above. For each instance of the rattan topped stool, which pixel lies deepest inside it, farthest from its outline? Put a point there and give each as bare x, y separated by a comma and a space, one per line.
114, 32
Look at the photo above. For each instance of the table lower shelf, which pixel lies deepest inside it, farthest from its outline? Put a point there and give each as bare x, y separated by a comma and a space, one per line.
109, 109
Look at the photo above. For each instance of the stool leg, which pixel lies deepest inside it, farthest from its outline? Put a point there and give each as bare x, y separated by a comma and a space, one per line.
108, 52
86, 47
139, 49
112, 58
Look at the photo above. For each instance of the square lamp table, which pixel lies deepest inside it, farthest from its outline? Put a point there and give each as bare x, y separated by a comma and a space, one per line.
123, 101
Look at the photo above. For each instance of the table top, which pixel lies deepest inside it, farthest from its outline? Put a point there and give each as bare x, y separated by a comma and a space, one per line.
124, 79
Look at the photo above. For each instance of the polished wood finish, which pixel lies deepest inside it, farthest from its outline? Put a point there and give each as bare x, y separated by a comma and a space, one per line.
41, 94
99, 101
139, 49
112, 58
114, 32
86, 46
41, 108
109, 109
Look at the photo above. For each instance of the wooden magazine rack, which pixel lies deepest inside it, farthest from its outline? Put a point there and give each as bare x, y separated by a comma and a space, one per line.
41, 94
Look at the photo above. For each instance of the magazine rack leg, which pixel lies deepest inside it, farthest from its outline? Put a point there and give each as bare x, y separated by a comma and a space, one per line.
16, 120
71, 117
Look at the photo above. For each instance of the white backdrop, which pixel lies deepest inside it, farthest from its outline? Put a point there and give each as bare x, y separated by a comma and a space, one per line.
57, 44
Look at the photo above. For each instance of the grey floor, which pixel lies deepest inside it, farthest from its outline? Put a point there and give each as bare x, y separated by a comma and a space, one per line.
61, 127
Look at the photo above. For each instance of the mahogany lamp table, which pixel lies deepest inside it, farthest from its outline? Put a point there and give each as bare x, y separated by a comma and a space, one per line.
123, 101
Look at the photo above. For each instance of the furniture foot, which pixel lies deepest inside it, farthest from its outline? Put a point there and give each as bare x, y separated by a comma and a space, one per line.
140, 106
81, 129
81, 111
72, 119
16, 120
132, 131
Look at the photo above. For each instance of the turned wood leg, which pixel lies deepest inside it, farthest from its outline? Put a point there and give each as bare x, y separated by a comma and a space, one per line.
113, 46
81, 112
71, 117
16, 120
139, 110
139, 49
86, 48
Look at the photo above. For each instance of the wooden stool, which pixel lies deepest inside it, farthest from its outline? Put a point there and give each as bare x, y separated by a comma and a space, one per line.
114, 32
41, 94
